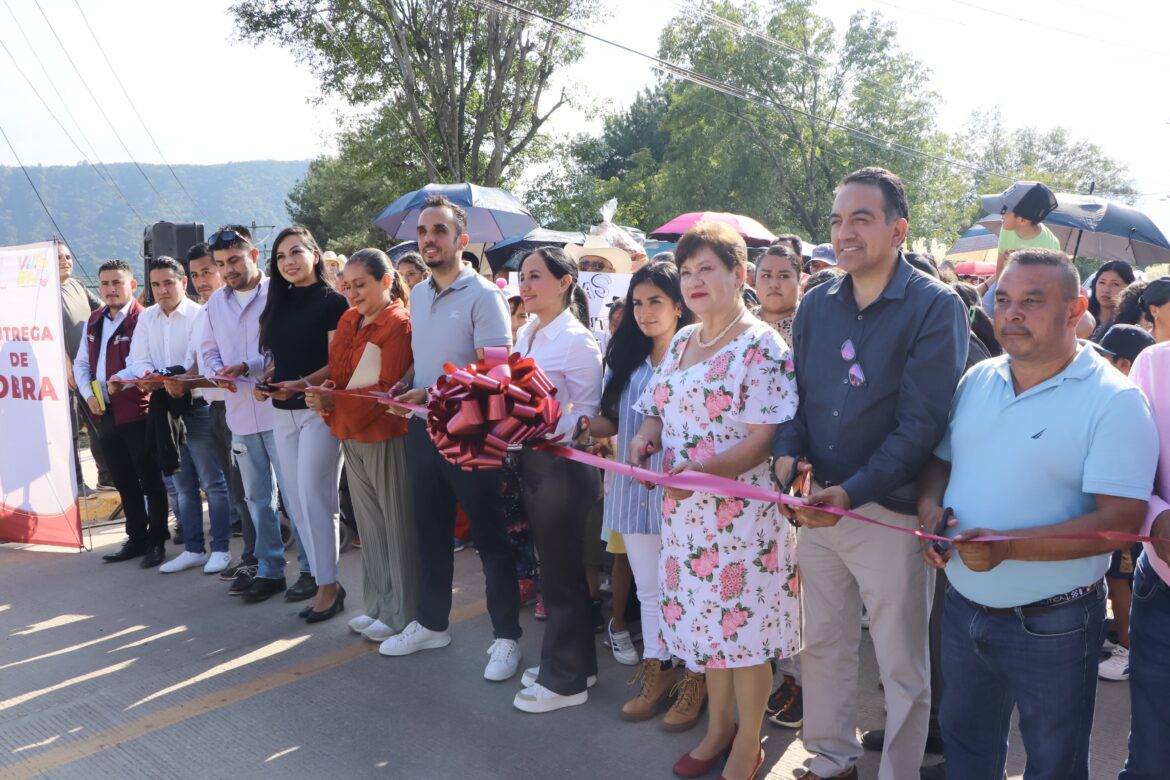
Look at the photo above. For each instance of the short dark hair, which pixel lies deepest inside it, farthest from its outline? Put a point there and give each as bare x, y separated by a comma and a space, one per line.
242, 241
164, 263
115, 265
781, 250
893, 191
412, 259
923, 262
790, 240
199, 250
823, 276
1070, 280
442, 202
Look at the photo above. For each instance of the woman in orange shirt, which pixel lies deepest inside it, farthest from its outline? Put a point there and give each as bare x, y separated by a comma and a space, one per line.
371, 349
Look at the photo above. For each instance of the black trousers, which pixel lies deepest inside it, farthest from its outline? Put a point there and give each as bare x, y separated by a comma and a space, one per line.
138, 478
435, 486
79, 418
558, 495
223, 449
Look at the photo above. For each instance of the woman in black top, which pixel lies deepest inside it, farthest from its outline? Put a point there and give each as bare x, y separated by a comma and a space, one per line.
295, 327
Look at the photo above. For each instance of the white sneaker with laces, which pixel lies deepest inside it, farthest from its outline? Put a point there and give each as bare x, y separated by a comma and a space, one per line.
361, 623
184, 560
414, 638
536, 698
378, 632
528, 679
622, 646
217, 562
1116, 666
504, 660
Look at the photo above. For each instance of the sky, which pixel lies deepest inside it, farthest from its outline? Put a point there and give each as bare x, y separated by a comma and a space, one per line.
1089, 68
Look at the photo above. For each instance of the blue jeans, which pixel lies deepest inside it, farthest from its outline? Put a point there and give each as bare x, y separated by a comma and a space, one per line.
1149, 676
199, 465
255, 454
1045, 665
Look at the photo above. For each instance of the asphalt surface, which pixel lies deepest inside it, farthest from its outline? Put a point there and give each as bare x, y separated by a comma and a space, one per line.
107, 670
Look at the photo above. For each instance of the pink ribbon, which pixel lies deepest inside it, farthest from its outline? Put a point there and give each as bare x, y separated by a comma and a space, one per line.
732, 488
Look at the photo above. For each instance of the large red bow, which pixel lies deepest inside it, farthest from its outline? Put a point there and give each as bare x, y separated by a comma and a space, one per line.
477, 412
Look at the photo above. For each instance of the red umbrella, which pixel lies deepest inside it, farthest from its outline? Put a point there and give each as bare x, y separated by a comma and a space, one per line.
754, 234
974, 268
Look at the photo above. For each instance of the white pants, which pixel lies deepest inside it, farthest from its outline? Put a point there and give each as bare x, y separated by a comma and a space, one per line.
310, 463
642, 550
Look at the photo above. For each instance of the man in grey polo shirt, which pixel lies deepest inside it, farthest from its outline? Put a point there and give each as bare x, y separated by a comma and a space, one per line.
454, 316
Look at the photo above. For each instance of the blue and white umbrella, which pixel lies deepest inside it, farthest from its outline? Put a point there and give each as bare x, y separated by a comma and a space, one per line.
492, 213
1106, 230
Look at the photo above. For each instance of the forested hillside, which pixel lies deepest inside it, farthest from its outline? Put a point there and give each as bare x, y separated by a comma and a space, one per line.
99, 224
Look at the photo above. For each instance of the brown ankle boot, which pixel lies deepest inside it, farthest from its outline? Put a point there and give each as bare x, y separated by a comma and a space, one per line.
653, 692
690, 698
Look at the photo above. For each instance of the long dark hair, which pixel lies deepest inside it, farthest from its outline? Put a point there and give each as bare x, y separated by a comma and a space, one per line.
278, 288
561, 265
1119, 267
377, 264
629, 346
981, 324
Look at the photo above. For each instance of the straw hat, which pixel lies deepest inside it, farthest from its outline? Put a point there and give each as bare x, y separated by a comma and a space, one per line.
595, 246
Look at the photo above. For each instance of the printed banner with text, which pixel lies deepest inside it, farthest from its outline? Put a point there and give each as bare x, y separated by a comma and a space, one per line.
38, 492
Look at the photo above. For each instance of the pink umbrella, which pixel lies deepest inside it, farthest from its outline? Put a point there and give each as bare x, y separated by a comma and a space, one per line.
754, 234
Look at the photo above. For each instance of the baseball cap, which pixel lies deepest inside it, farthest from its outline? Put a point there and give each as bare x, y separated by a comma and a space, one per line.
1028, 199
825, 253
1124, 341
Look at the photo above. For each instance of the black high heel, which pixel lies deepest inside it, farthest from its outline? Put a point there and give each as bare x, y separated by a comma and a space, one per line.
304, 613
336, 608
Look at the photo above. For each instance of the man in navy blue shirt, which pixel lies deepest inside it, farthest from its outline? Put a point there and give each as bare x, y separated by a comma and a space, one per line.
878, 354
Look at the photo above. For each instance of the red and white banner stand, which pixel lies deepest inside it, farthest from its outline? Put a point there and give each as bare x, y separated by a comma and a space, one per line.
38, 489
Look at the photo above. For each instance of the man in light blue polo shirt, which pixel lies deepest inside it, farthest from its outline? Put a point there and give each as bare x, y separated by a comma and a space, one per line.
1046, 439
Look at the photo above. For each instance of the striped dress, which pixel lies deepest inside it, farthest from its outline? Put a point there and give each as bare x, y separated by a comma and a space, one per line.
629, 507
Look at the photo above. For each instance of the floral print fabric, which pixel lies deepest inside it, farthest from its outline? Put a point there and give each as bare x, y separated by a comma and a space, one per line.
727, 564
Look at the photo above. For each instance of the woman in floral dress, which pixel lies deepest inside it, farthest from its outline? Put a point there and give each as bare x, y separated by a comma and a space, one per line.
726, 564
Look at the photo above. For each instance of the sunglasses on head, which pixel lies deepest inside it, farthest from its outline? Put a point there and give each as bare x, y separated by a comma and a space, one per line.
224, 237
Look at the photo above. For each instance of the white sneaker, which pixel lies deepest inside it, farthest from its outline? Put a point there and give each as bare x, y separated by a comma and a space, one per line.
504, 660
217, 562
414, 638
1116, 666
184, 560
378, 632
361, 623
622, 646
528, 679
537, 698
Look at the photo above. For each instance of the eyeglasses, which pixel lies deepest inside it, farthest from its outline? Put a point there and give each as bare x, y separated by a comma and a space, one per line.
222, 238
849, 355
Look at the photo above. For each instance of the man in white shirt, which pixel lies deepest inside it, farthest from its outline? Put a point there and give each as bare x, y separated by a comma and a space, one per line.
162, 344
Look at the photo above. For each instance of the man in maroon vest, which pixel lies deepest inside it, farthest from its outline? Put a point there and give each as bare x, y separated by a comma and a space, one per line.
121, 417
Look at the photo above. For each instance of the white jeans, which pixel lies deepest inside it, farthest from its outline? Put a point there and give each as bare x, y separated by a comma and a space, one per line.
310, 464
642, 551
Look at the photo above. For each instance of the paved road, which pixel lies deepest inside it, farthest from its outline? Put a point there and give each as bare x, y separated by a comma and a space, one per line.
107, 670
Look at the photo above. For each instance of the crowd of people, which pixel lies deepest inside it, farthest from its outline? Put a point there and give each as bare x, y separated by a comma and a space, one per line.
866, 378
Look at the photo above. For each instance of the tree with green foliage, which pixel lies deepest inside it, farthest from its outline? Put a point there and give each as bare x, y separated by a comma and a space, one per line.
469, 88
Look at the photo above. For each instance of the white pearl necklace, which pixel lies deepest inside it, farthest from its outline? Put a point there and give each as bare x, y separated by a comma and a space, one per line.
720, 334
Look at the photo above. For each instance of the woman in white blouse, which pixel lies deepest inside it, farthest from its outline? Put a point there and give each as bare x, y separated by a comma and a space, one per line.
558, 493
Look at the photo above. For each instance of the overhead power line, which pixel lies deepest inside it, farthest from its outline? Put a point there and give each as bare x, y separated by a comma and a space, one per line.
102, 173
133, 107
689, 74
162, 198
37, 192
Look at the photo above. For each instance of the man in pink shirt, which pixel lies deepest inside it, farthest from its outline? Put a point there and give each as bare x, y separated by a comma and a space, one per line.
1149, 670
